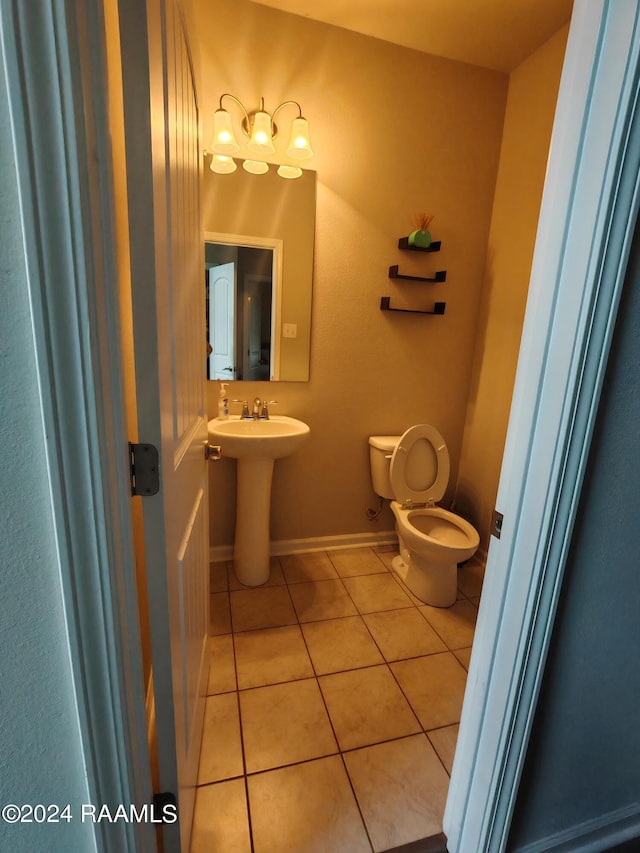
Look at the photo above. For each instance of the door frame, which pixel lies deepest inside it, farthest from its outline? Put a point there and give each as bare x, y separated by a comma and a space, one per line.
587, 221
58, 112
56, 71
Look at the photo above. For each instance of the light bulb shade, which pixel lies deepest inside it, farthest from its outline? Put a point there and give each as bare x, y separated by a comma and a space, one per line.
256, 167
261, 141
299, 144
289, 171
222, 165
224, 140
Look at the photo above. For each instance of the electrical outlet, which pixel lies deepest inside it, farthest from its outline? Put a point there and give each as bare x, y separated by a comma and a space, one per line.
289, 330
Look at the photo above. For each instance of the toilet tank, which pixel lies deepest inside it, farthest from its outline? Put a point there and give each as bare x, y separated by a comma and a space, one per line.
380, 449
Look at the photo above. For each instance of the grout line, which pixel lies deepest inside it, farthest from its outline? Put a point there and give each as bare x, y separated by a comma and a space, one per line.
244, 757
359, 614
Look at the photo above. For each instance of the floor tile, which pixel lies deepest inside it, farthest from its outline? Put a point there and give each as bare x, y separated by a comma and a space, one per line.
222, 668
321, 600
456, 624
434, 686
298, 568
357, 561
339, 644
218, 577
220, 819
276, 578
219, 614
403, 634
401, 788
284, 723
386, 553
376, 592
464, 656
307, 808
221, 752
366, 707
444, 742
261, 607
470, 577
271, 655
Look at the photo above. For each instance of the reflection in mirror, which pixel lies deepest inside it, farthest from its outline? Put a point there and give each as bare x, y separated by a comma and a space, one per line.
270, 214
242, 297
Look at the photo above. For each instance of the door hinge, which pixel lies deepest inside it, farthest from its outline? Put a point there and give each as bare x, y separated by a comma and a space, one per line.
144, 466
165, 807
496, 523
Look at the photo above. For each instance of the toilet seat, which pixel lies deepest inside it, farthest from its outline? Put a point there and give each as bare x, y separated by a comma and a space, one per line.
419, 469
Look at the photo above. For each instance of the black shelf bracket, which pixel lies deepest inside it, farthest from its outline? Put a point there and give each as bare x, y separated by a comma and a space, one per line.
403, 243
393, 273
385, 305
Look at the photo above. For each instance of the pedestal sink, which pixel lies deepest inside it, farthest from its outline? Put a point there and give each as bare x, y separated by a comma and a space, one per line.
255, 444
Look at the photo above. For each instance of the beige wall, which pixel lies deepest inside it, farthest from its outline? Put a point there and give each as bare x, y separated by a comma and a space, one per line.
394, 132
533, 88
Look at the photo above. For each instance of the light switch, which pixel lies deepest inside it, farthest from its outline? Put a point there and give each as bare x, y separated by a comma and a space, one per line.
289, 330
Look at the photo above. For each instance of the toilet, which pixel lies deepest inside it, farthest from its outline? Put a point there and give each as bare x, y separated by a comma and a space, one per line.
412, 470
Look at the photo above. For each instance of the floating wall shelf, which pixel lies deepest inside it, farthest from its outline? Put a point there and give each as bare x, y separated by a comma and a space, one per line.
403, 243
385, 301
393, 273
385, 305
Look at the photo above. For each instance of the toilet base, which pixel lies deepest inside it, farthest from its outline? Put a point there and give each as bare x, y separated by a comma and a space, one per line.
435, 584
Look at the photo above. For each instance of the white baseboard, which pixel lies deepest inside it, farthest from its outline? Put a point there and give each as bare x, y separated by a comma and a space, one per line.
592, 836
319, 543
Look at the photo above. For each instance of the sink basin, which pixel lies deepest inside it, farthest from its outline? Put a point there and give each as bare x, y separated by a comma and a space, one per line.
277, 437
256, 445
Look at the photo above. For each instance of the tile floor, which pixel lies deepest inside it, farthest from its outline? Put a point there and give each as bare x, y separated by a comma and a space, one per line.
333, 707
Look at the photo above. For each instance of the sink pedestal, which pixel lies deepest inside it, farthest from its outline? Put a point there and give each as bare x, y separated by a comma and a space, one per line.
255, 445
251, 558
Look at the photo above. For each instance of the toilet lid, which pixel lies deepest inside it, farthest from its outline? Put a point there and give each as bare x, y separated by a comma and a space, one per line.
419, 469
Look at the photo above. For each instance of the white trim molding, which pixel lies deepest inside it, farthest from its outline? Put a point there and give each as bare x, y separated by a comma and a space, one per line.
587, 219
318, 543
592, 836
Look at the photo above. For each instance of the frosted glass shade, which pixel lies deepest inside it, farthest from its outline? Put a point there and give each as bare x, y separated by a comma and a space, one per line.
299, 144
222, 164
289, 171
224, 140
261, 141
256, 167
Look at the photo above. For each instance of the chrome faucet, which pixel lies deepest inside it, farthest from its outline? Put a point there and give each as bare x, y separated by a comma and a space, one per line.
245, 416
259, 410
265, 409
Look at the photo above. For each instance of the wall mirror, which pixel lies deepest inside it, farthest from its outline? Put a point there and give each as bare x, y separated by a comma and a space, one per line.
259, 242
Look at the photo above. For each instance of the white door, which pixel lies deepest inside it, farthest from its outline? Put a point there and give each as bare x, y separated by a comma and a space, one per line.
170, 353
222, 313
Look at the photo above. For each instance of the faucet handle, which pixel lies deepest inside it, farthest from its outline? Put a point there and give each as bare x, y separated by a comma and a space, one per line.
265, 408
245, 408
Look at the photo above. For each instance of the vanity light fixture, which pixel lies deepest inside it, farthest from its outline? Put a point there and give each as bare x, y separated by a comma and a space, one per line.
289, 171
222, 164
261, 128
256, 167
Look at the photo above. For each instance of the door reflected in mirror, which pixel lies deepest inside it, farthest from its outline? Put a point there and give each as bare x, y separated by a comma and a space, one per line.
243, 281
259, 242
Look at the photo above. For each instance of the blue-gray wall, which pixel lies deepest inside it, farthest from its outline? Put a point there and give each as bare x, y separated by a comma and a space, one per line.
41, 757
583, 762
